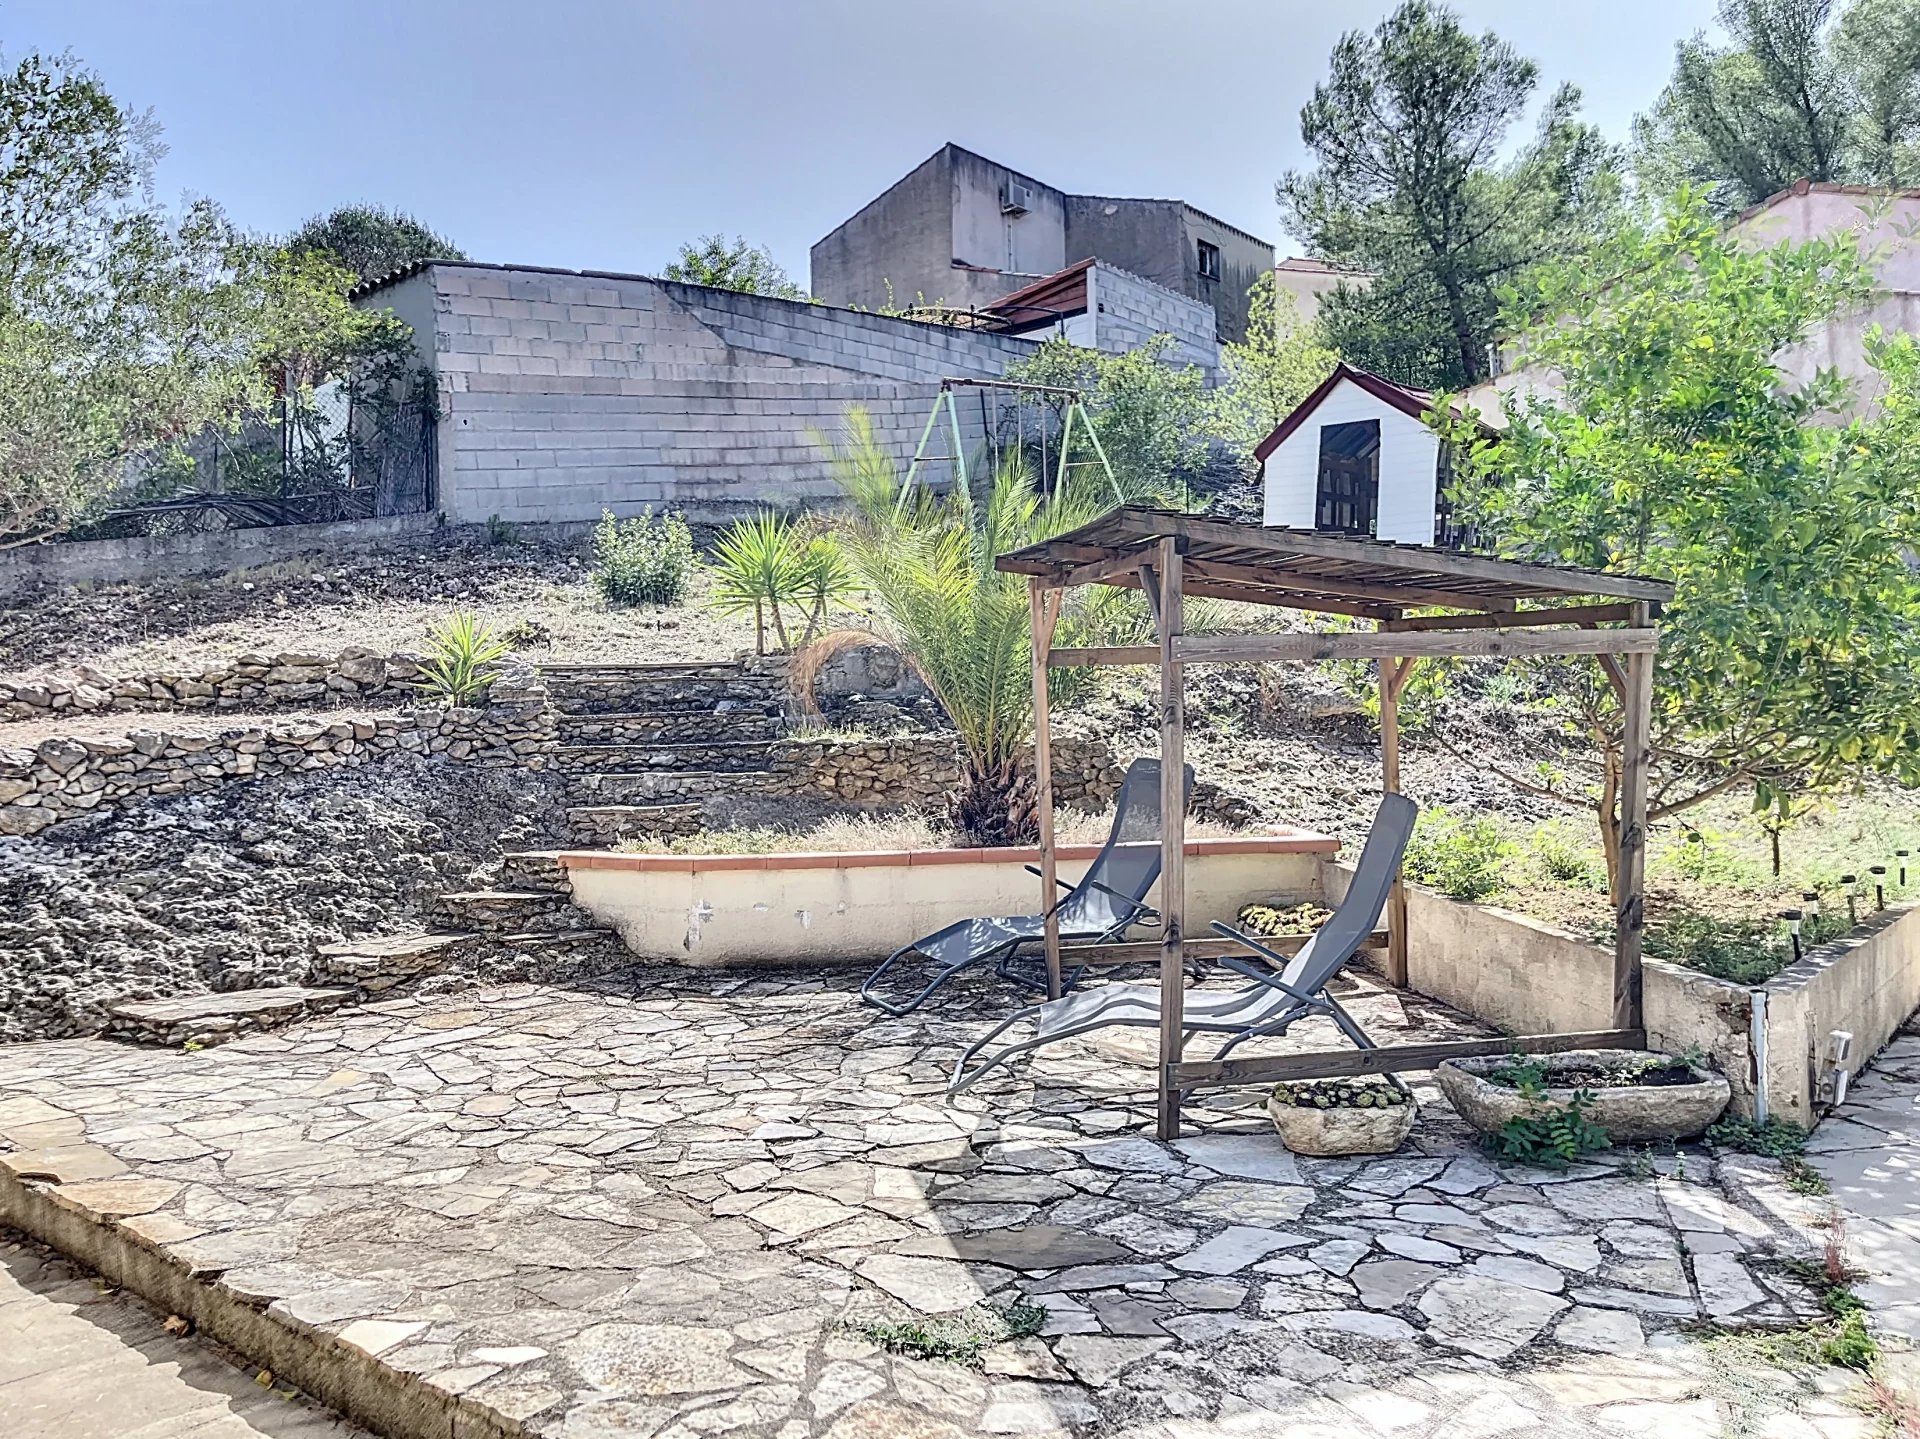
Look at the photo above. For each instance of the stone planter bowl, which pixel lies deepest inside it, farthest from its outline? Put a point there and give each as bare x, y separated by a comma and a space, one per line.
1329, 1133
1629, 1115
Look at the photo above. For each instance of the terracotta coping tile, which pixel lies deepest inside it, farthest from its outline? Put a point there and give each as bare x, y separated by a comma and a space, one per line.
1281, 841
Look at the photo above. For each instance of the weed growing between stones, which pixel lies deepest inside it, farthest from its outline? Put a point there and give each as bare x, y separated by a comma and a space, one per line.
1776, 1139
961, 1338
1842, 1335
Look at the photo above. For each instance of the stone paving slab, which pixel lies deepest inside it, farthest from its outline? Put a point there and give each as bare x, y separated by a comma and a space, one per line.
1869, 1154
80, 1361
673, 1204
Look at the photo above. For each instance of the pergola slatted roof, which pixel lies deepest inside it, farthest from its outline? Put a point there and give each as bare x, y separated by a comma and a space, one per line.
1274, 565
1502, 607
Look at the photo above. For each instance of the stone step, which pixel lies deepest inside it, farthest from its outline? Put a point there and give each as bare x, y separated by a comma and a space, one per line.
207, 1019
605, 825
725, 756
670, 727
656, 689
381, 962
506, 911
662, 786
534, 869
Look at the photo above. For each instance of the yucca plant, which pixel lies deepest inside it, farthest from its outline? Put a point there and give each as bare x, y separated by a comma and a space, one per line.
767, 563
463, 659
927, 563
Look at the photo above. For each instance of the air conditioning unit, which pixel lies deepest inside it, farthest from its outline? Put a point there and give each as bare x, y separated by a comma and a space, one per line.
1016, 199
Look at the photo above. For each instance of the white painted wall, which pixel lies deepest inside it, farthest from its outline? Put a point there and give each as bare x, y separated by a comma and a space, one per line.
1409, 457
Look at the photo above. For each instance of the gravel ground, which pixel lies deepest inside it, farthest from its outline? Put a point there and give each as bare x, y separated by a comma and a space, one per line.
385, 600
234, 889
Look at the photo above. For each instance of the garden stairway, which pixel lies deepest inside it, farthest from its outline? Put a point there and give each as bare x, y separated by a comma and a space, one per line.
644, 745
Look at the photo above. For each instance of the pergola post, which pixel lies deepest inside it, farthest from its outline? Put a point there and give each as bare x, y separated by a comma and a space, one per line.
1173, 832
1045, 612
1635, 744
1393, 679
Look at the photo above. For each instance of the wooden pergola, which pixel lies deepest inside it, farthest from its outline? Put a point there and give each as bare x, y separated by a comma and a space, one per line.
1497, 608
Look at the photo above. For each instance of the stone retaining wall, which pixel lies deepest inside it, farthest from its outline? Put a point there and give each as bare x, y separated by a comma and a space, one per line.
66, 777
251, 681
921, 770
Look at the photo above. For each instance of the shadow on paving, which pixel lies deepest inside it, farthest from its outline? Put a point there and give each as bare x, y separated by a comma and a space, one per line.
79, 1360
670, 1204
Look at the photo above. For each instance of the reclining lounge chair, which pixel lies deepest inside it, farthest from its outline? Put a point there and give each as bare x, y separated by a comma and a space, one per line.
1097, 908
1270, 1005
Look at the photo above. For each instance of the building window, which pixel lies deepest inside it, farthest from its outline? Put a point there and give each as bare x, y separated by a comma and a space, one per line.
1348, 497
1209, 259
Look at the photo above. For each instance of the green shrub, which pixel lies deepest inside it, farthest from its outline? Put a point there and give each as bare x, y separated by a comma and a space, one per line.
463, 659
1776, 1139
643, 560
1562, 859
1550, 1135
1463, 858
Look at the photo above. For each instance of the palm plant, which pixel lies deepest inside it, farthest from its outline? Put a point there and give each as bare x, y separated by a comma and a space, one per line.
927, 564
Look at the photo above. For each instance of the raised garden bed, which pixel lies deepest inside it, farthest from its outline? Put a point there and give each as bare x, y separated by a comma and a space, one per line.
1330, 1117
1635, 1097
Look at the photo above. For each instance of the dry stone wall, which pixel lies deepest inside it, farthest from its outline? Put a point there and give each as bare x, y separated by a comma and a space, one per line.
251, 681
922, 770
63, 778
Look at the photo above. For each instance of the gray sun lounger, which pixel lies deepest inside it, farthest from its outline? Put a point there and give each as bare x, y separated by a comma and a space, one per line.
1100, 906
1268, 1006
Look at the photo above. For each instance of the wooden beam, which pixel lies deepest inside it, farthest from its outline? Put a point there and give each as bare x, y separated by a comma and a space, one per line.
1068, 658
1514, 619
1105, 570
1418, 560
1216, 649
1044, 608
1144, 951
1630, 916
1393, 680
1391, 1058
1173, 831
1402, 596
1242, 593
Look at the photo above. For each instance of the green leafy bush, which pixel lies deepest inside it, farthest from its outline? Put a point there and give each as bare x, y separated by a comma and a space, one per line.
1562, 859
1776, 1139
1550, 1135
463, 659
1463, 858
643, 560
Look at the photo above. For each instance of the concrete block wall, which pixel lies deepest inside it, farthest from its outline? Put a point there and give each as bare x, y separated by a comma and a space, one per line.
1130, 311
567, 393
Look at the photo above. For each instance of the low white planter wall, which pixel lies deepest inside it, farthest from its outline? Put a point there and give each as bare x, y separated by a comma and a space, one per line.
1866, 982
757, 911
1531, 978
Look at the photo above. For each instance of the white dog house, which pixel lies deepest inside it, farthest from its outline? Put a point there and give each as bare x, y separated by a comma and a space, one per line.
1358, 458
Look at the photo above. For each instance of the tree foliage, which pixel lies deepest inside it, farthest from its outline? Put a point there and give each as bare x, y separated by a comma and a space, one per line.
1801, 89
125, 329
1415, 186
120, 325
1264, 379
371, 241
1675, 446
1151, 416
732, 265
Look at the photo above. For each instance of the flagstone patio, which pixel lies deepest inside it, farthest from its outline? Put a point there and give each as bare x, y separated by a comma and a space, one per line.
672, 1204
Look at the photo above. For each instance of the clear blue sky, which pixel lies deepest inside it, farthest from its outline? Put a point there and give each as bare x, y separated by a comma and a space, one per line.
593, 134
